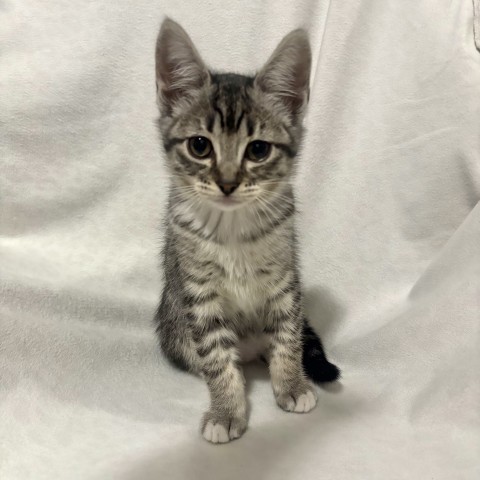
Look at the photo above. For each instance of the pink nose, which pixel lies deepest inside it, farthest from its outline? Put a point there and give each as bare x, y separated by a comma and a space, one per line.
227, 187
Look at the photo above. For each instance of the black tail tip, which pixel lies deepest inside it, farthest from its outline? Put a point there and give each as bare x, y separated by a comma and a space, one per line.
324, 372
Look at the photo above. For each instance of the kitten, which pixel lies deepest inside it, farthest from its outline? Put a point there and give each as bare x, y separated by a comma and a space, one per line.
232, 288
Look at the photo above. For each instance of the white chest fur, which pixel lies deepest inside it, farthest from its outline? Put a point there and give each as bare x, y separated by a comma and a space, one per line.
251, 270
244, 287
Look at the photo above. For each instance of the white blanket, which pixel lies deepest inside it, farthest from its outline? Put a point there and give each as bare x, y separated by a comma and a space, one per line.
389, 229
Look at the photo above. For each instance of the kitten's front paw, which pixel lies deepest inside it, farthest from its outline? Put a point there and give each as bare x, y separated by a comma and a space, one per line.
221, 428
299, 400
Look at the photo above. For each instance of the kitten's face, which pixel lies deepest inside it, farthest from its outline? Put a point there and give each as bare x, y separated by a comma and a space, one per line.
230, 139
230, 147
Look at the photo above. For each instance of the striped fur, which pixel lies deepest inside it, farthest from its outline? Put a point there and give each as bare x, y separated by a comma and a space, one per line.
232, 289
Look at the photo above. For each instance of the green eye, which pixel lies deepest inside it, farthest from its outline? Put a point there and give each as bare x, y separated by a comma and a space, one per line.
199, 147
258, 150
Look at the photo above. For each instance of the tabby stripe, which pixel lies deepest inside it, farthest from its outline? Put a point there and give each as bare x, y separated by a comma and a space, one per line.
279, 316
230, 118
284, 339
190, 166
206, 264
216, 362
291, 357
171, 142
263, 271
286, 149
197, 280
191, 300
206, 350
286, 215
239, 121
213, 373
220, 335
285, 303
287, 289
199, 330
269, 329
187, 226
249, 127
265, 170
206, 310
178, 169
222, 120
210, 123
223, 343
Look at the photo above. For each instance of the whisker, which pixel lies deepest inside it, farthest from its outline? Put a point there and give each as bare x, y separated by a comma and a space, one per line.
266, 209
282, 196
256, 212
271, 206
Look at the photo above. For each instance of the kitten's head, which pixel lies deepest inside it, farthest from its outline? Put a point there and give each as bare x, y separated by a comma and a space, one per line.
230, 139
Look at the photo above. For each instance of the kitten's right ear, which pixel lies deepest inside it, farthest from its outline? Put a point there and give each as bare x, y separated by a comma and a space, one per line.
178, 66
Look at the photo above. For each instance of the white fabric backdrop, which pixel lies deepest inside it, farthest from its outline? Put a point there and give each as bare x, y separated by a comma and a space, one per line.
389, 229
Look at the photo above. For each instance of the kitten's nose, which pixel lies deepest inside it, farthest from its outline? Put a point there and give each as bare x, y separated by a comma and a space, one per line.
227, 187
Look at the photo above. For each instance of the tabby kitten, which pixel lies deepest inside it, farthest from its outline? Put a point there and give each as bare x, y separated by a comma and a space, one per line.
232, 289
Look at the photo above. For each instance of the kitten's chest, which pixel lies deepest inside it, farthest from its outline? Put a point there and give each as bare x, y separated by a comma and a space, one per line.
244, 296
240, 261
244, 285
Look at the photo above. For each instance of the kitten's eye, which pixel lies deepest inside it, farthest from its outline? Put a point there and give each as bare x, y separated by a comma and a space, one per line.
258, 150
199, 147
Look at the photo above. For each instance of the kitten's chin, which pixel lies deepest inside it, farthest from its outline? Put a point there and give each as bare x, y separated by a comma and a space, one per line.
227, 204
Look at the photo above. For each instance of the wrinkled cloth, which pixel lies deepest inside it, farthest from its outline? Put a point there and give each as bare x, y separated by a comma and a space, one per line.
388, 187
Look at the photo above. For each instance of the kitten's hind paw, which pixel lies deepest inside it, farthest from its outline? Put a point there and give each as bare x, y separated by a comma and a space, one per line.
220, 428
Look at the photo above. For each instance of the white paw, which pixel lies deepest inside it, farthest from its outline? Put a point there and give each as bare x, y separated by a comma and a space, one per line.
215, 433
222, 429
305, 402
299, 403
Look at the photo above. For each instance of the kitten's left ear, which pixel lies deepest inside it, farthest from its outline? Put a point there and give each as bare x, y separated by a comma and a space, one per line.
286, 75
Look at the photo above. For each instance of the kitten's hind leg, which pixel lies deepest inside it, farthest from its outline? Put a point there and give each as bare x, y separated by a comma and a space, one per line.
175, 340
314, 360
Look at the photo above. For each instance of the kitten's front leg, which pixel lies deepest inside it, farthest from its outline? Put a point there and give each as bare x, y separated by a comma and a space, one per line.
293, 391
215, 344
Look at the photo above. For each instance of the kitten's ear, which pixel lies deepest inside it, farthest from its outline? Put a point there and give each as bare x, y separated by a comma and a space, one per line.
178, 66
286, 75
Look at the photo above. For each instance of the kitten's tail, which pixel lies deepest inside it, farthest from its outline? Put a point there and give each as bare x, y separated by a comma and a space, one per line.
315, 362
